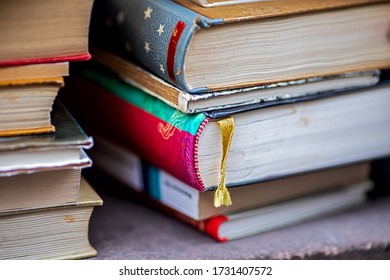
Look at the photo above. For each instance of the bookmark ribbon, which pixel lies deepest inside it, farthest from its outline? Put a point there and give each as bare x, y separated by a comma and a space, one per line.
222, 195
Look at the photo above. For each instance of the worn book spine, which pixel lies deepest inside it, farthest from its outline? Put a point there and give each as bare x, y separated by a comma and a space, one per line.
156, 33
149, 127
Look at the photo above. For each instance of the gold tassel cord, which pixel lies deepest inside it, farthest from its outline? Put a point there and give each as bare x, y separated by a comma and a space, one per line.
222, 195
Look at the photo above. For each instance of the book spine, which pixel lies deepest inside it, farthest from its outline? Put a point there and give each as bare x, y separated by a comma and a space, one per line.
141, 123
155, 33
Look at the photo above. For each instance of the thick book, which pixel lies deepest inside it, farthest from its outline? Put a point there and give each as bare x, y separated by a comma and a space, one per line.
48, 188
209, 49
44, 31
58, 232
141, 176
210, 101
266, 143
36, 153
26, 105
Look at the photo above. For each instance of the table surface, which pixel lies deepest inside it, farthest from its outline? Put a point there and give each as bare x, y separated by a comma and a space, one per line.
124, 228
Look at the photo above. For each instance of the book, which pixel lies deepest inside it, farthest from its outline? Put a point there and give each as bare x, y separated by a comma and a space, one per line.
41, 189
26, 104
211, 101
141, 176
44, 31
206, 151
211, 49
36, 153
247, 223
58, 232
34, 71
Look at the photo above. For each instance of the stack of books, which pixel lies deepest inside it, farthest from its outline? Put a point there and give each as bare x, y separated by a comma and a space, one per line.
45, 204
238, 119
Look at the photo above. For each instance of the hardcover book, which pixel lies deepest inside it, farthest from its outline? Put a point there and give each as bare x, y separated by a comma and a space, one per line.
211, 101
34, 71
26, 104
36, 153
141, 176
48, 188
206, 151
211, 49
44, 31
58, 232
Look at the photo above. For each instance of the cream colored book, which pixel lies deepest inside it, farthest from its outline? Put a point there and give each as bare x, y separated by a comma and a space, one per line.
234, 98
34, 153
44, 31
203, 49
50, 233
26, 104
34, 71
140, 176
40, 189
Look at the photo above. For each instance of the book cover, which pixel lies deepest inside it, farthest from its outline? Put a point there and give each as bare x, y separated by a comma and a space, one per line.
207, 49
267, 143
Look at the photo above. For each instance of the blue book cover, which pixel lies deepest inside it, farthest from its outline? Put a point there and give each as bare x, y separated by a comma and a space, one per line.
209, 49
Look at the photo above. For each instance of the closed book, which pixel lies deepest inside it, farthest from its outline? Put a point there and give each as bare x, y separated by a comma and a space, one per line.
44, 31
209, 49
234, 98
36, 153
26, 105
57, 232
141, 176
243, 224
34, 71
267, 143
257, 208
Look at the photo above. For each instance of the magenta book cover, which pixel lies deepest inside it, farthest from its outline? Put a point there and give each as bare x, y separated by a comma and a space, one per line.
137, 121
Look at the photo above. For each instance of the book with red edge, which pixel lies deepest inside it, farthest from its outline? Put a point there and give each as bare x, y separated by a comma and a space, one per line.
44, 31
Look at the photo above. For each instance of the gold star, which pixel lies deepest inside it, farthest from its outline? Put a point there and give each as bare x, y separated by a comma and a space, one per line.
147, 47
161, 30
162, 68
148, 13
120, 17
178, 72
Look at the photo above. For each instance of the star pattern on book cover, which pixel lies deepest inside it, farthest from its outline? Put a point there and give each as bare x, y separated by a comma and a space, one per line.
146, 34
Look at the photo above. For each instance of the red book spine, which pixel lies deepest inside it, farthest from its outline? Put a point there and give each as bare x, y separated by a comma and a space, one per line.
153, 139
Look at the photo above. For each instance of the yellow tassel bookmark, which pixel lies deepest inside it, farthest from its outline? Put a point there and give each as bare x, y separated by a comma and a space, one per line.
222, 196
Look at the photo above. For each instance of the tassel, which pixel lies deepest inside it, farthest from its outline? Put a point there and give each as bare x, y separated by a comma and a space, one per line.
222, 195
